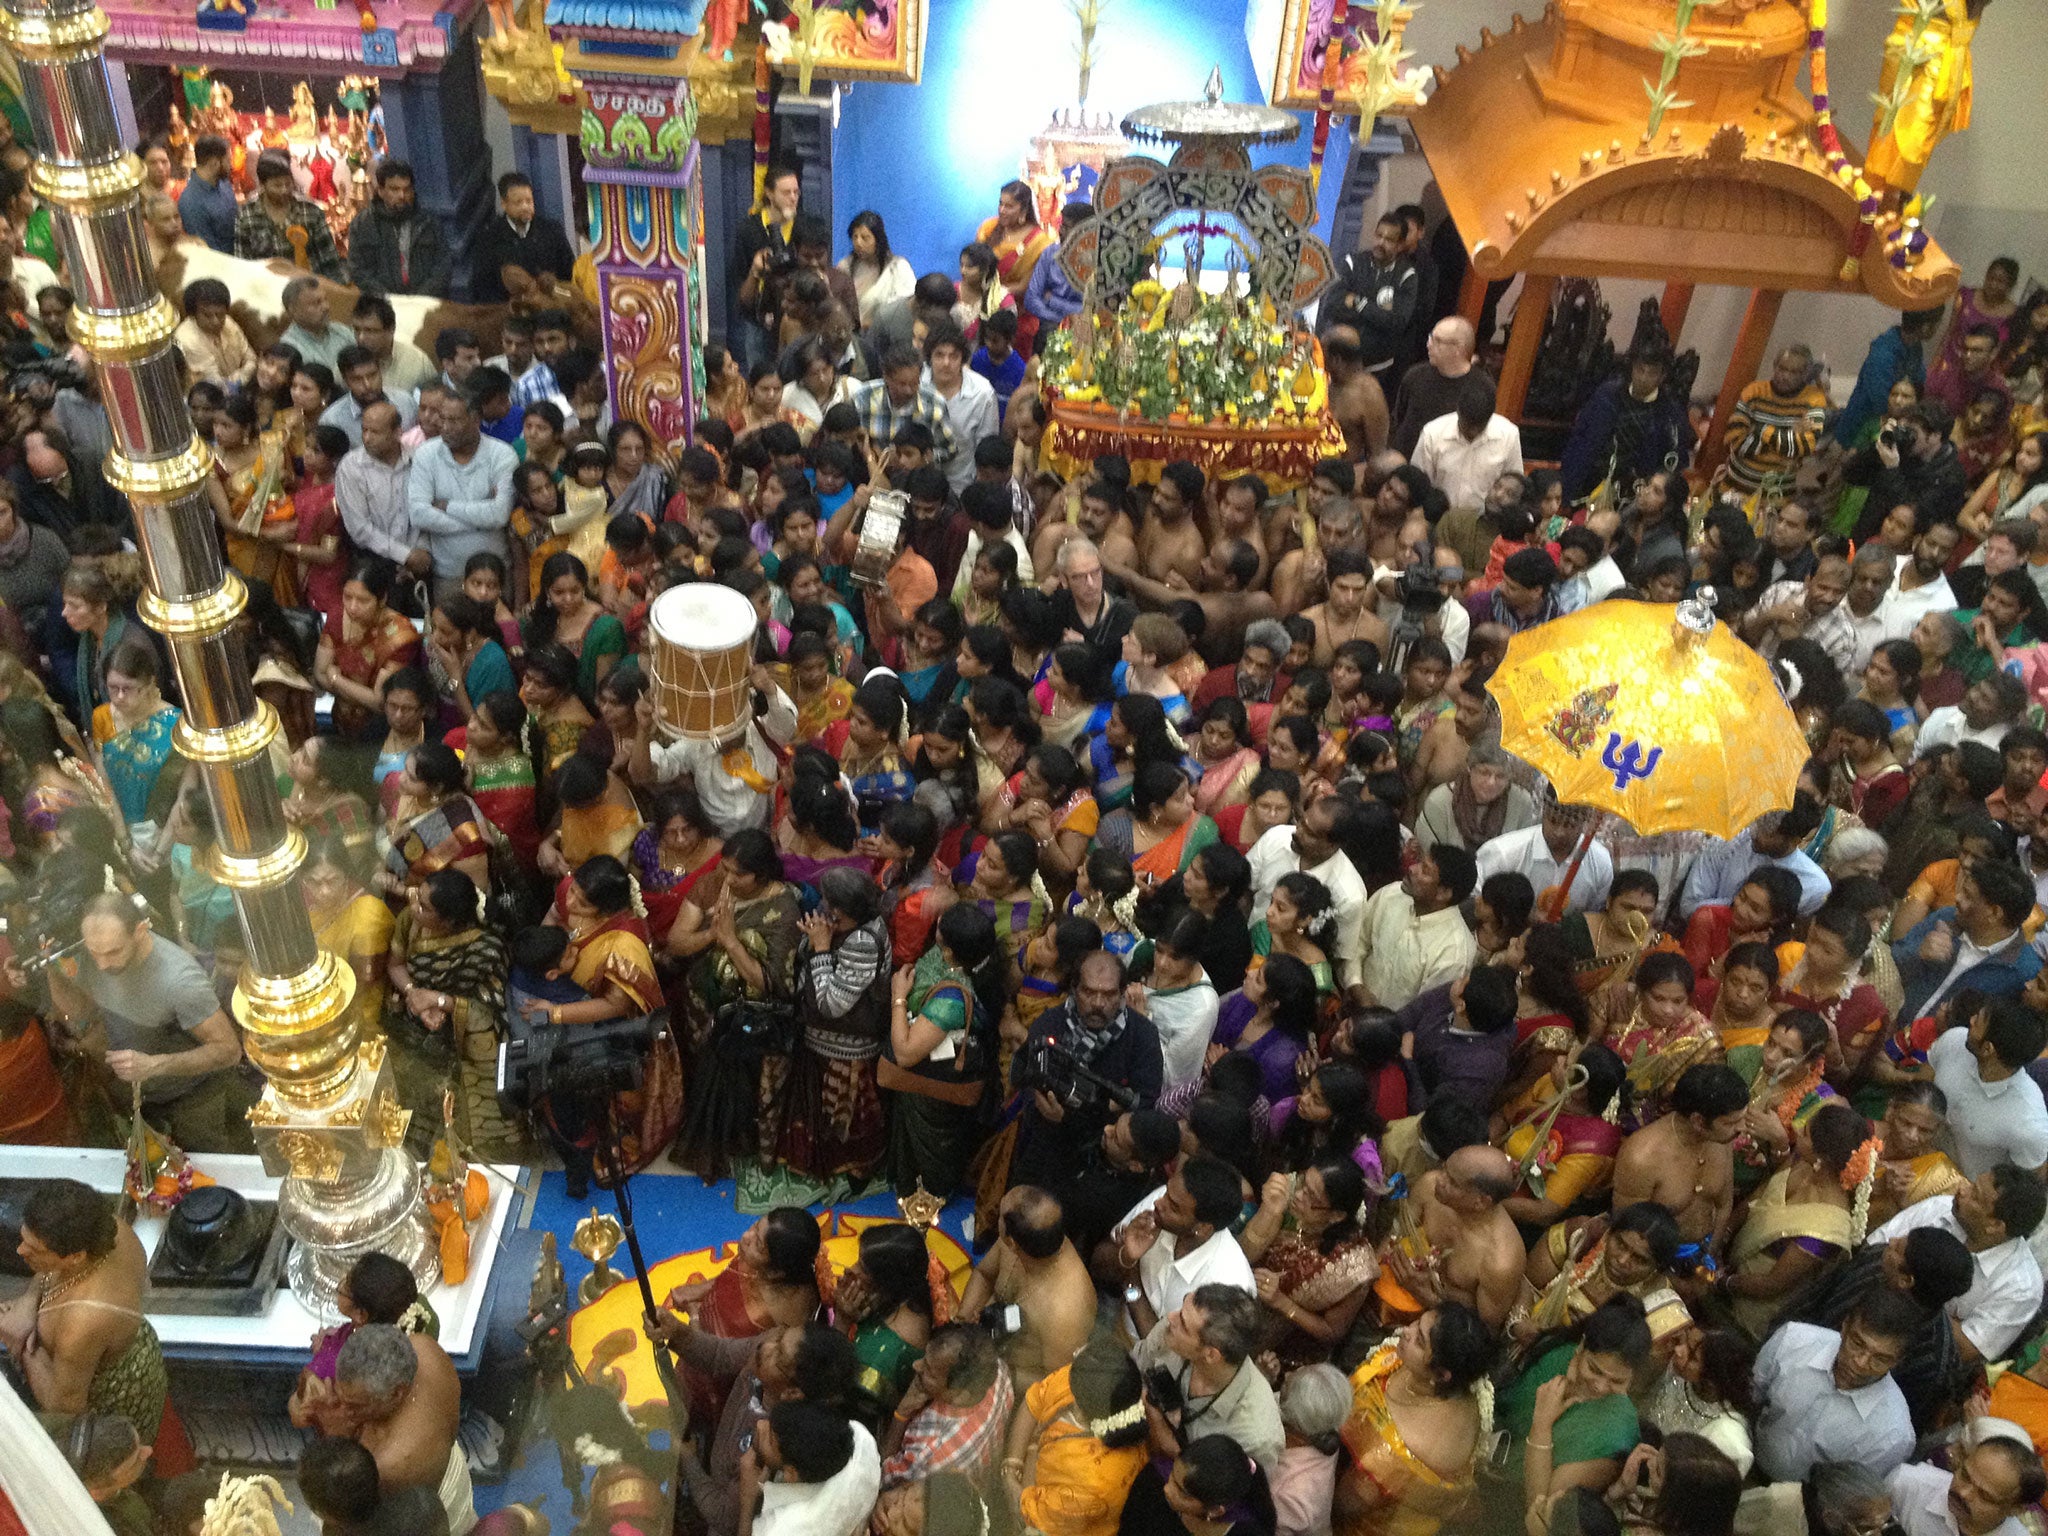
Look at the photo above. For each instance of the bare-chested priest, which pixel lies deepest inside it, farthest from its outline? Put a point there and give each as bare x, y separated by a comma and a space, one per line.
403, 1399
1475, 1255
1684, 1161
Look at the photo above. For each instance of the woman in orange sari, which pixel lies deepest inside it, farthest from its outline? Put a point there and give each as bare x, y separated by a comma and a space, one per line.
251, 478
610, 961
1049, 798
1416, 1427
1018, 241
33, 1109
1160, 832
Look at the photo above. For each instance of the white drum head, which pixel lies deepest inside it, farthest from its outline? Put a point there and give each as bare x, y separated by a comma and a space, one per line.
703, 616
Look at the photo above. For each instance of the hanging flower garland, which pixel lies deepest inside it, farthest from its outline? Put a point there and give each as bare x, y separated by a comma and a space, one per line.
1904, 245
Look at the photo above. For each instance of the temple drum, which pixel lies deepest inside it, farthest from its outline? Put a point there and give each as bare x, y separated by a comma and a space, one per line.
881, 530
701, 654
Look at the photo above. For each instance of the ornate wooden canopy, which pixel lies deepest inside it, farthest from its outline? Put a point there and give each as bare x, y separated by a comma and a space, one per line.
1537, 140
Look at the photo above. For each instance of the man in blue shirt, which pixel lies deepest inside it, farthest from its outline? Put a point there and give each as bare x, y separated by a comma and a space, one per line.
207, 206
1898, 354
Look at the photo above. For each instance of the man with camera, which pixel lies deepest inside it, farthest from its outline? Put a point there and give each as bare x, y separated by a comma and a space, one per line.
1200, 1379
1038, 1285
146, 1008
1911, 460
1083, 1063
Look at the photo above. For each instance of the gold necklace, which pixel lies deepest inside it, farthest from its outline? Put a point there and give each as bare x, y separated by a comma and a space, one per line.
53, 1290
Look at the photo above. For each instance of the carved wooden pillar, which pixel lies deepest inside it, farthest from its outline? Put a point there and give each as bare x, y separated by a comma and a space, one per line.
1472, 296
1526, 336
1673, 308
1758, 321
646, 218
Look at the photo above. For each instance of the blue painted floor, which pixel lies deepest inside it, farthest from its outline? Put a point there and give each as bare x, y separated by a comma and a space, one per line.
673, 1213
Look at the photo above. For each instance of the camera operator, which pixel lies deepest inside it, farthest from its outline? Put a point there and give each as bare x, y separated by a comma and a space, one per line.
143, 1005
1912, 461
1071, 1053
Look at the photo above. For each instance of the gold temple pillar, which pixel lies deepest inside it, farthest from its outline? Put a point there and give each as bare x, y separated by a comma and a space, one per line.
329, 1123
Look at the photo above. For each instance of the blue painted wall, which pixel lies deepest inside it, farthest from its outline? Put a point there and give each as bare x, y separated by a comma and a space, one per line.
929, 158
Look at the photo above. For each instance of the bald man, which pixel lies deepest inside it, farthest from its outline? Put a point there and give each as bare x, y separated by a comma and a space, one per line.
1035, 1267
1430, 388
1475, 1254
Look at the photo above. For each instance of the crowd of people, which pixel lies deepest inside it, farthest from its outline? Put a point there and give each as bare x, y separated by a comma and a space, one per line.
1133, 856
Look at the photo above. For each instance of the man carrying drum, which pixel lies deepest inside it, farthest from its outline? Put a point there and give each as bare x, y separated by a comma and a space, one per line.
725, 741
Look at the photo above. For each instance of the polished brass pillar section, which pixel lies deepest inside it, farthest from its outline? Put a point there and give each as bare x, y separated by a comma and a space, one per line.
329, 1122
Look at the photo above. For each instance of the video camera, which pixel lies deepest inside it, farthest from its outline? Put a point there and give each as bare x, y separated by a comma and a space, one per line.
41, 920
1052, 1068
537, 1060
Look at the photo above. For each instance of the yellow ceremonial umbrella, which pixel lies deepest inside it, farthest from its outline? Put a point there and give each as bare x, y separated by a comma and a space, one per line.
1653, 714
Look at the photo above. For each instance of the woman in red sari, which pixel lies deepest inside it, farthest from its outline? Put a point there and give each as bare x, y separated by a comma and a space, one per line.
912, 881
771, 1282
676, 858
501, 774
364, 645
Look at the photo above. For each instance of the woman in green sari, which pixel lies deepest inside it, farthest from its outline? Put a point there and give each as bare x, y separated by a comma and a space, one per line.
1300, 920
442, 1018
884, 1300
739, 1006
1568, 1411
936, 1059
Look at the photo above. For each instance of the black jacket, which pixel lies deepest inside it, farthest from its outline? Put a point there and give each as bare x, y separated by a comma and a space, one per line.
91, 501
1048, 1151
543, 248
1377, 301
1937, 487
375, 264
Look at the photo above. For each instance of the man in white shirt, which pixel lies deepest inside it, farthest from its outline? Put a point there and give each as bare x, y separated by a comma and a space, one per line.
735, 778
990, 520
1995, 1110
1867, 604
1993, 1215
1179, 1238
1310, 845
370, 488
1413, 936
1722, 868
969, 398
1991, 706
1465, 452
1544, 852
1994, 1481
1920, 585
810, 1473
1827, 1396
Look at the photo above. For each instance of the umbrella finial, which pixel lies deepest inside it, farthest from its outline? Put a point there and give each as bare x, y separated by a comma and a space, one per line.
1694, 620
1213, 91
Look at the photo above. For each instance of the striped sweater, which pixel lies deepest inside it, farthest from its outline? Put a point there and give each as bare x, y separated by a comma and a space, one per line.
1769, 435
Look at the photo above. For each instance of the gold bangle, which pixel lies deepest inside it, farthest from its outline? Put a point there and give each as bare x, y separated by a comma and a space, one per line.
1531, 1443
